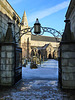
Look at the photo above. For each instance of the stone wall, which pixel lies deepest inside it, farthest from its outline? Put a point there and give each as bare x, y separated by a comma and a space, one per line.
72, 20
3, 25
6, 15
67, 66
70, 14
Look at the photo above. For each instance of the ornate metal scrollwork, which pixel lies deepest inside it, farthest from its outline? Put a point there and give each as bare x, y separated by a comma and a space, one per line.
52, 31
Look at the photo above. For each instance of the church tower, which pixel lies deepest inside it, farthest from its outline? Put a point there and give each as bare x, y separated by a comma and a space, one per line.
24, 20
26, 38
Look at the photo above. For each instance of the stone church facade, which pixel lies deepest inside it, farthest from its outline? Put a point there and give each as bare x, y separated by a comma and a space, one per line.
27, 41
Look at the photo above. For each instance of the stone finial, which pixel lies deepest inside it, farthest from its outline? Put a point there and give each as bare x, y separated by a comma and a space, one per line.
67, 35
24, 19
9, 35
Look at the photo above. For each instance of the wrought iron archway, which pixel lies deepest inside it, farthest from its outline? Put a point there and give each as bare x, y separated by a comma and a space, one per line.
57, 35
41, 30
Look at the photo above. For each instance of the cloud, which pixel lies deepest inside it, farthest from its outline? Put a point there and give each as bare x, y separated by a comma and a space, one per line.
49, 11
16, 1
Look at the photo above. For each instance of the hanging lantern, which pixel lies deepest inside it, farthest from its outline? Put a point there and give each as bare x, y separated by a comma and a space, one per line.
37, 27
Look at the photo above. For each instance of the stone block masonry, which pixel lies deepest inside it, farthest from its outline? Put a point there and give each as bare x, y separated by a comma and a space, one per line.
68, 64
3, 25
7, 64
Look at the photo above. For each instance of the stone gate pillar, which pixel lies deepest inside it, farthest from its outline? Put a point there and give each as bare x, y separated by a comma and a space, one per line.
10, 69
7, 64
67, 59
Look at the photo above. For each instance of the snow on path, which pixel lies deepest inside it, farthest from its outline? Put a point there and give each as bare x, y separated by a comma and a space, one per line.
48, 70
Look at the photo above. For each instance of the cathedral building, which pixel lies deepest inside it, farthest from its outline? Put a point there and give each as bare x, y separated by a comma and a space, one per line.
29, 41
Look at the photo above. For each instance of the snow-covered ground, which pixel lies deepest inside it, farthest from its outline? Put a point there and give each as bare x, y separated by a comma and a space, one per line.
47, 70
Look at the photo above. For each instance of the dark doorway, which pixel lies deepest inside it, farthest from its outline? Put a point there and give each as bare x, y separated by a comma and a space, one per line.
49, 56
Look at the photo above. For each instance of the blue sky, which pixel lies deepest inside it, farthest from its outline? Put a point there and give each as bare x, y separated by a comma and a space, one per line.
51, 13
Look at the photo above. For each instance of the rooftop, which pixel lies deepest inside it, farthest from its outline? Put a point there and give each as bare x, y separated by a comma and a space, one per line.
43, 38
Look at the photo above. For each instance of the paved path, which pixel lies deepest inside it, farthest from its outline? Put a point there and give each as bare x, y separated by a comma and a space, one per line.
37, 89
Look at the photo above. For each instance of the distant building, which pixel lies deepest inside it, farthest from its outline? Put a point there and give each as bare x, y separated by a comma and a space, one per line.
35, 41
46, 51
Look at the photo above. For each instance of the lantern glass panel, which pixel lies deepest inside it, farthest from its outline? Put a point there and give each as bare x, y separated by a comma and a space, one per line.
37, 28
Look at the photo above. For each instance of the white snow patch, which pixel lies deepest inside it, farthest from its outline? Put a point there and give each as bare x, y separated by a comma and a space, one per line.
48, 70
